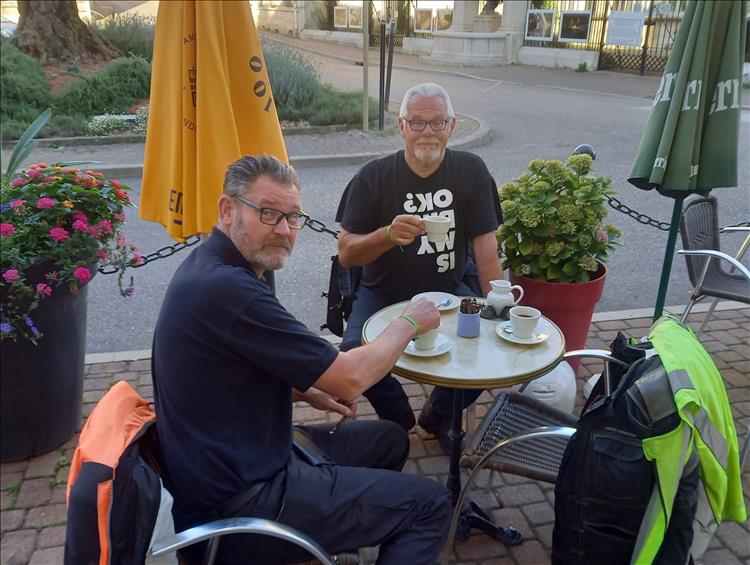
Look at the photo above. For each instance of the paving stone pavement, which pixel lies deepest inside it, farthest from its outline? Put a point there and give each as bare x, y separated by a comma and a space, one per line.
32, 503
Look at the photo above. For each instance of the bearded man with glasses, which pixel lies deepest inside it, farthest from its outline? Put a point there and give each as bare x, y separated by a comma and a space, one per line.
381, 215
228, 361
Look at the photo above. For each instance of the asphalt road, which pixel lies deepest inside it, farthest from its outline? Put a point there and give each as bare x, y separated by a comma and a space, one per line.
541, 121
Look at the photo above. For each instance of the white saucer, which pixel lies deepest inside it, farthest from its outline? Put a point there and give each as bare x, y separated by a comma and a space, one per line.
506, 335
438, 297
442, 345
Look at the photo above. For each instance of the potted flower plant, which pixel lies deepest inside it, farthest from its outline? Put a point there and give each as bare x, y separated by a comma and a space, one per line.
554, 241
56, 224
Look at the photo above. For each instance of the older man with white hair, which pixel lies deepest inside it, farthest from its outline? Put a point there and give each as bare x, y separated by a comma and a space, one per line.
381, 215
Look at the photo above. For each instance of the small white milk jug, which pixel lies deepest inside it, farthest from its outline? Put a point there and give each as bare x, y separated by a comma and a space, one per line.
501, 294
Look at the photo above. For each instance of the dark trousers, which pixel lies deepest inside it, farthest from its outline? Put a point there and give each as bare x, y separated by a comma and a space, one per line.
387, 396
358, 499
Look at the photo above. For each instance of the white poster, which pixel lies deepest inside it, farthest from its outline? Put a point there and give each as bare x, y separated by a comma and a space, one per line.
625, 28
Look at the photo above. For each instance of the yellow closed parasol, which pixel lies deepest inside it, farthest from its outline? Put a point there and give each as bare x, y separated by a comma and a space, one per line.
211, 103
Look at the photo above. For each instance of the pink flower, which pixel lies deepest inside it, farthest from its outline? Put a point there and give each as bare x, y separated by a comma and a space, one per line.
103, 255
59, 234
119, 216
11, 275
80, 216
105, 226
115, 183
18, 181
7, 229
43, 289
80, 225
82, 274
45, 202
33, 173
137, 259
601, 235
17, 203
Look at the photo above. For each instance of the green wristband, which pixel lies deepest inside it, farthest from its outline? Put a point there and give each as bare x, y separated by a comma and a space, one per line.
388, 232
412, 321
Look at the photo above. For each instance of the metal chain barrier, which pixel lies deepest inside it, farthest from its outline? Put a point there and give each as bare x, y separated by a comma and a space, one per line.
637, 216
162, 253
320, 227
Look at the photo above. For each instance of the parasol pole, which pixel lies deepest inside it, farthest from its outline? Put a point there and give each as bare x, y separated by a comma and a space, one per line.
666, 268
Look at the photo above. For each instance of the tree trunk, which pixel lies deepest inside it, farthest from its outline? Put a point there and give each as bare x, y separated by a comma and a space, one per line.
51, 29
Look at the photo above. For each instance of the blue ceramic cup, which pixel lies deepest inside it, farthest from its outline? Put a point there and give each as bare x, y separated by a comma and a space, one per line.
468, 325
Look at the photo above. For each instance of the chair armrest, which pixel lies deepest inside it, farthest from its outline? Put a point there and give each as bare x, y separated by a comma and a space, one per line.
719, 255
536, 433
226, 526
727, 229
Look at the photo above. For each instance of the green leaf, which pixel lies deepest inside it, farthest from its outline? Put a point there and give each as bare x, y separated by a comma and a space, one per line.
26, 144
570, 268
526, 246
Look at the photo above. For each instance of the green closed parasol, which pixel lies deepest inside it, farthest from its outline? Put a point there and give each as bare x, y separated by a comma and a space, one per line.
691, 140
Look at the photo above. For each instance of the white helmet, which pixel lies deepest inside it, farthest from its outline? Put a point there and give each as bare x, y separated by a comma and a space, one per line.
557, 388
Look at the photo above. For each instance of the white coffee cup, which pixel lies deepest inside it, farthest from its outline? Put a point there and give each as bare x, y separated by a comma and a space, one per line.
426, 340
523, 321
436, 228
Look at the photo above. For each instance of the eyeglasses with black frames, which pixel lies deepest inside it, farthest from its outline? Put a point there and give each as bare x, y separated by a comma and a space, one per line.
273, 217
435, 125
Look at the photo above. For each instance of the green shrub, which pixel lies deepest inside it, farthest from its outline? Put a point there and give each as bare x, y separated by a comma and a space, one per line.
61, 125
110, 91
294, 79
141, 120
131, 34
24, 90
334, 107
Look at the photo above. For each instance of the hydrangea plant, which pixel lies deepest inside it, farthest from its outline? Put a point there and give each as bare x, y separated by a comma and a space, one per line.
64, 217
553, 221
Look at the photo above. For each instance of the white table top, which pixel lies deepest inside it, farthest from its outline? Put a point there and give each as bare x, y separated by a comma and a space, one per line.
483, 362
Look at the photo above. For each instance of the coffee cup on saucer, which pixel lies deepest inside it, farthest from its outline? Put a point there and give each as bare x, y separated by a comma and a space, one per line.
426, 340
523, 321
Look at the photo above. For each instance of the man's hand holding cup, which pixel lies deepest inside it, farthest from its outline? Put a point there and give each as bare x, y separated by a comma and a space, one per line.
404, 229
423, 314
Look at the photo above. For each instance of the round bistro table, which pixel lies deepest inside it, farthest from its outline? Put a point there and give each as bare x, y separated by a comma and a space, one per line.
483, 362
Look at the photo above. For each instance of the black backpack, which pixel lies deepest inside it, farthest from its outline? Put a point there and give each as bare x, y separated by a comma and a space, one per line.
342, 285
605, 483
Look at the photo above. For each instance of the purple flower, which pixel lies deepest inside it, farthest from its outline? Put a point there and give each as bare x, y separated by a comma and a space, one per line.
29, 321
4, 208
5, 328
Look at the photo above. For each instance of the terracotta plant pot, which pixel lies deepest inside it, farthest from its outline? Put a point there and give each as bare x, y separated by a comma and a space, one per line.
569, 305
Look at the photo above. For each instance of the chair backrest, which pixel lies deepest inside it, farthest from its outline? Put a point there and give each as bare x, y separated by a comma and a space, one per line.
699, 229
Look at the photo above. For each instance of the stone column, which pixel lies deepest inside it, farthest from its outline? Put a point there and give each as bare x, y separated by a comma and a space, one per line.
464, 13
514, 26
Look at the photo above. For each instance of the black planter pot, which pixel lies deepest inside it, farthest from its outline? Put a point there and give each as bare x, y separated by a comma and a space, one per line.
42, 385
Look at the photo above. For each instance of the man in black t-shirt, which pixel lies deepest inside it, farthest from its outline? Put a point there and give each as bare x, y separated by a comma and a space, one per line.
228, 360
381, 215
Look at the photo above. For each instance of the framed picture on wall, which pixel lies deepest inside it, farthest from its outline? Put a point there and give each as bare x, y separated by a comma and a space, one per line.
340, 16
575, 26
540, 25
423, 20
444, 18
355, 17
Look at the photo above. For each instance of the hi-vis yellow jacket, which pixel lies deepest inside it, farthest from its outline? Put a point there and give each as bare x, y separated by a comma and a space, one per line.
707, 429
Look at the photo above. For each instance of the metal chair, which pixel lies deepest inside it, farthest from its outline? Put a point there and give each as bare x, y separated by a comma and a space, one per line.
213, 531
524, 436
699, 228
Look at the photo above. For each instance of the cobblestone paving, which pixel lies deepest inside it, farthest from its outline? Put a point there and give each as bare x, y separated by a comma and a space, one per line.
32, 502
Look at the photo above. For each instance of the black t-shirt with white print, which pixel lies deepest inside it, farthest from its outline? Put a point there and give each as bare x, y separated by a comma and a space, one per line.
461, 189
